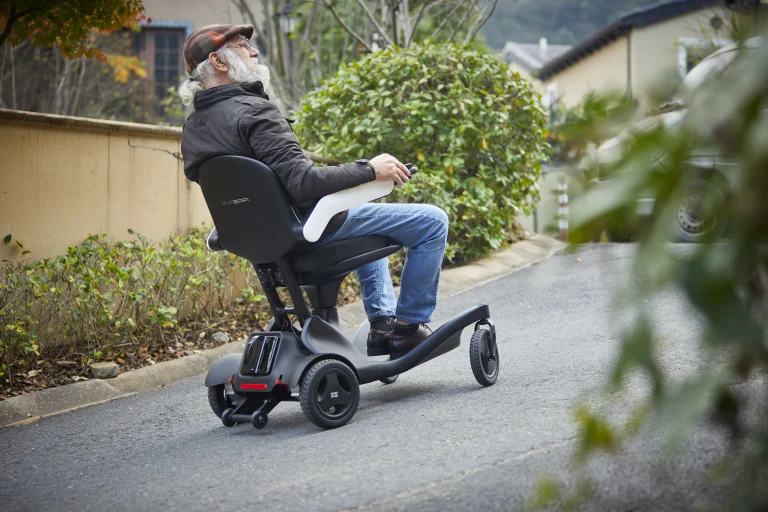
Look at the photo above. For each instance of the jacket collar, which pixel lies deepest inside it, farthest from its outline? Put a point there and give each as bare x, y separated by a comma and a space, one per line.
214, 95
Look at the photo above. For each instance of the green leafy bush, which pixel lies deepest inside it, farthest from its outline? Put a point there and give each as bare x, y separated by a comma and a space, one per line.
131, 302
474, 128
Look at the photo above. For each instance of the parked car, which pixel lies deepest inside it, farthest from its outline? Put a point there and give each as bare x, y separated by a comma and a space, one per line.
713, 179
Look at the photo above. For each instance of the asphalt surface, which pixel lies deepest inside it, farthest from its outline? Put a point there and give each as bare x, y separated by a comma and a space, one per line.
434, 440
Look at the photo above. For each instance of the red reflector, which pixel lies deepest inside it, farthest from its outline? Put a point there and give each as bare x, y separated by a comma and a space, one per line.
278, 381
231, 381
253, 386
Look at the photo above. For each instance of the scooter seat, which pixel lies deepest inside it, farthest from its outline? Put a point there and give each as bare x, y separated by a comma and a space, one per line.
315, 265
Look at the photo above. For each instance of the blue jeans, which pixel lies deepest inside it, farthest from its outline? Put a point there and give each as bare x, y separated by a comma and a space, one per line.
423, 230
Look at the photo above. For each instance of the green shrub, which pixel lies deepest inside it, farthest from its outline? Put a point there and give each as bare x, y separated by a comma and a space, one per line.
114, 302
474, 128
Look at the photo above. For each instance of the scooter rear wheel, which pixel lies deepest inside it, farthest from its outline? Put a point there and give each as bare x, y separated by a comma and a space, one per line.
329, 393
484, 357
219, 400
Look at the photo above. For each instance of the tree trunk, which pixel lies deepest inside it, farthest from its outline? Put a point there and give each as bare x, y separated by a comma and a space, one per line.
12, 17
73, 108
14, 106
2, 80
60, 100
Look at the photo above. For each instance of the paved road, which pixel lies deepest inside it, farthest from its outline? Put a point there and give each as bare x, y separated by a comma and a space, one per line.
434, 440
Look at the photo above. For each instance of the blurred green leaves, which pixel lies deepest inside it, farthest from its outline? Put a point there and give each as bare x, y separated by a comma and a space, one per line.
713, 157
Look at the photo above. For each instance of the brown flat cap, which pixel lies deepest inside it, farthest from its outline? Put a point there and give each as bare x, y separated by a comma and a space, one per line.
203, 41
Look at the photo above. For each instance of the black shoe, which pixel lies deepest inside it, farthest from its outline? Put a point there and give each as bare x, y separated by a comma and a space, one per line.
378, 336
407, 337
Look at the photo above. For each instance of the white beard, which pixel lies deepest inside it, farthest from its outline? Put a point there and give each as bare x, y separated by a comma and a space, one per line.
242, 72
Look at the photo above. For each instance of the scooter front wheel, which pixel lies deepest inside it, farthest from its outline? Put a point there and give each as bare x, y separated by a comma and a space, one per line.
484, 357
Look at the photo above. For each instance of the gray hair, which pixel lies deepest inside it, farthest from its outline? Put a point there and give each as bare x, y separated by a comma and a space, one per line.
202, 76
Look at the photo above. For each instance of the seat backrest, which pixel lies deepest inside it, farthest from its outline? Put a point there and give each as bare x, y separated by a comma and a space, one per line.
253, 213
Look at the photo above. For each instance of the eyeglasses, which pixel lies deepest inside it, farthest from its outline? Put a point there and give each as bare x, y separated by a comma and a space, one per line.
242, 44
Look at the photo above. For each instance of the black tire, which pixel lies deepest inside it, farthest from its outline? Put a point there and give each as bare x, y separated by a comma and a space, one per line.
217, 398
690, 225
329, 393
259, 420
389, 380
484, 367
226, 418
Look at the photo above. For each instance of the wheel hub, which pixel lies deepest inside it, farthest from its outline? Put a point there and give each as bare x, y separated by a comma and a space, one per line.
691, 218
334, 395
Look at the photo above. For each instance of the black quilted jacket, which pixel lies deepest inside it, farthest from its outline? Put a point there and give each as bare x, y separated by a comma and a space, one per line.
240, 120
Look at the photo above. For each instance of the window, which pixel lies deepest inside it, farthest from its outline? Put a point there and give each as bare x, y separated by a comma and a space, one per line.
691, 51
161, 50
550, 101
167, 57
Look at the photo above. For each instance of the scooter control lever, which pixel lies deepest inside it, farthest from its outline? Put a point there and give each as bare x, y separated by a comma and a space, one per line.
412, 168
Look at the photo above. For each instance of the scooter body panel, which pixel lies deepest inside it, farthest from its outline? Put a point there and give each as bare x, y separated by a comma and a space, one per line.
222, 370
259, 370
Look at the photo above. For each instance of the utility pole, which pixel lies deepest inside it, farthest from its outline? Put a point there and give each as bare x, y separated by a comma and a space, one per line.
562, 210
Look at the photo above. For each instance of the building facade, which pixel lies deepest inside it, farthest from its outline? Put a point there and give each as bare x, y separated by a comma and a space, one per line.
632, 53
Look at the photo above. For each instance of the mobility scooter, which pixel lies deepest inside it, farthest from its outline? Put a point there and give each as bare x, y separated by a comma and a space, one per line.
312, 363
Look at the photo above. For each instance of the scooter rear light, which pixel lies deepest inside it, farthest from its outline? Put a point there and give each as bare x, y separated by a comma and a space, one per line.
253, 386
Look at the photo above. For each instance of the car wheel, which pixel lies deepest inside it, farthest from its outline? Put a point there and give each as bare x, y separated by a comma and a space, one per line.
699, 214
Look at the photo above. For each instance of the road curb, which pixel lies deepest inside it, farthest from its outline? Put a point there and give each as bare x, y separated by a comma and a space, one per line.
28, 408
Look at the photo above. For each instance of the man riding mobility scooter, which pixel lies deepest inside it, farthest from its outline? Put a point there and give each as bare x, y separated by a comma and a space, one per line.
314, 363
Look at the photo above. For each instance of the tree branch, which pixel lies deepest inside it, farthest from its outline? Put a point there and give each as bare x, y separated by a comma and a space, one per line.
59, 104
344, 25
14, 105
2, 80
320, 159
446, 19
415, 23
301, 66
73, 109
479, 23
12, 17
405, 19
462, 20
375, 23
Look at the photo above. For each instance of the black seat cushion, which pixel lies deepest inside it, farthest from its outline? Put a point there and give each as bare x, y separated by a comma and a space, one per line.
307, 259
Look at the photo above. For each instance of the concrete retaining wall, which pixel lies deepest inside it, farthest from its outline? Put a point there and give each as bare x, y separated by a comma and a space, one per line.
62, 178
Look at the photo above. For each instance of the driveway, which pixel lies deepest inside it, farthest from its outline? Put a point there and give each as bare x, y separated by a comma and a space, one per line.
434, 440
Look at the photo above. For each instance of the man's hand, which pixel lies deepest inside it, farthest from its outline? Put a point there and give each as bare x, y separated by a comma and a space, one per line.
389, 168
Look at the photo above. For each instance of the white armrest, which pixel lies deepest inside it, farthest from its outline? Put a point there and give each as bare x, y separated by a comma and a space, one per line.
332, 204
213, 240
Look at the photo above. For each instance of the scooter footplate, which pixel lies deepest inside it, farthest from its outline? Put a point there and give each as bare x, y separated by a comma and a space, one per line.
451, 343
